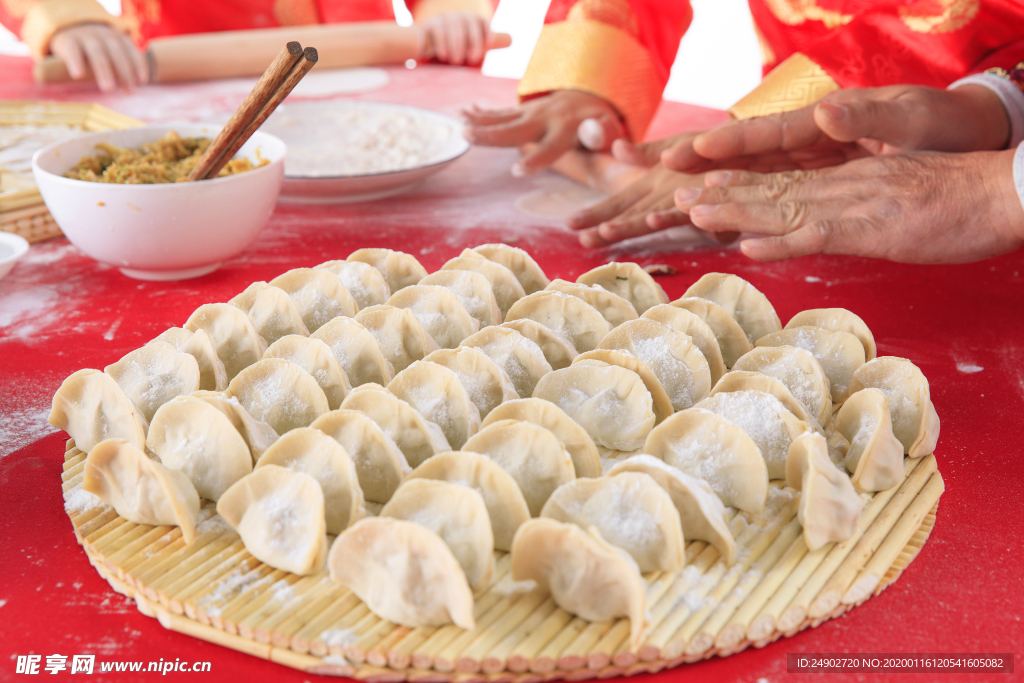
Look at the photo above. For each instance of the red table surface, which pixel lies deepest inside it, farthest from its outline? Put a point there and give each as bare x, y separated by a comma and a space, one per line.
962, 325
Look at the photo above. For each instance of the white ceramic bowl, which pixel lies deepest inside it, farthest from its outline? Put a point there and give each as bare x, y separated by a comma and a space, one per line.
12, 248
169, 231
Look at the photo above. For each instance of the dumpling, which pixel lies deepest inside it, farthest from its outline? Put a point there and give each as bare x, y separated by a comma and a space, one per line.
279, 393
709, 447
610, 402
316, 358
416, 437
739, 380
473, 291
700, 333
271, 310
838, 353
731, 338
613, 307
279, 514
555, 346
701, 512
504, 284
357, 352
799, 371
829, 507
258, 435
875, 456
234, 338
486, 383
379, 464
141, 490
914, 420
568, 315
312, 452
506, 506
586, 576
91, 408
672, 357
455, 513
531, 454
526, 270
212, 375
574, 439
404, 573
399, 334
661, 403
439, 311
319, 295
435, 391
193, 437
153, 375
398, 268
764, 419
518, 357
630, 511
363, 281
628, 280
838, 320
751, 309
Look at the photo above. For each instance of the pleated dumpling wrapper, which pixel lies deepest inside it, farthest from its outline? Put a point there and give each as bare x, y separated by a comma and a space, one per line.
700, 334
610, 402
399, 334
557, 348
838, 353
839, 320
519, 357
141, 490
574, 439
701, 512
258, 435
193, 437
799, 371
830, 508
212, 375
379, 463
363, 281
531, 454
272, 312
504, 284
613, 307
630, 511
233, 337
486, 383
505, 503
357, 351
455, 513
91, 407
708, 447
315, 357
440, 312
404, 572
526, 270
744, 302
319, 295
473, 291
914, 420
628, 280
417, 437
398, 268
875, 456
741, 380
731, 338
279, 393
586, 575
435, 391
153, 375
279, 514
661, 404
570, 316
312, 452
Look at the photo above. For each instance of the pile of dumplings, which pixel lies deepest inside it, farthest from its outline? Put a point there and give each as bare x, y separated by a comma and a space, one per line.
396, 427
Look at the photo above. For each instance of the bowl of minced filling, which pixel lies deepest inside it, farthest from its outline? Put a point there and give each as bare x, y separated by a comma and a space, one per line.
123, 197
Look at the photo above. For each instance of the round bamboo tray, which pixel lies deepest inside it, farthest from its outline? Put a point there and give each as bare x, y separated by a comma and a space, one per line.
214, 590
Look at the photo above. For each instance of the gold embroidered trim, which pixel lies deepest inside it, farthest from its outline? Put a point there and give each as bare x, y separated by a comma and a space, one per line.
791, 85
47, 17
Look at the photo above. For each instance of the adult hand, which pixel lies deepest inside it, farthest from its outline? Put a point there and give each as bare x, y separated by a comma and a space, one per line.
551, 121
851, 124
915, 208
110, 55
456, 38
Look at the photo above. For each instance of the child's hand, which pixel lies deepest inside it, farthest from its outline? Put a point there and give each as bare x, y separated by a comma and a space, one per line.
456, 38
110, 55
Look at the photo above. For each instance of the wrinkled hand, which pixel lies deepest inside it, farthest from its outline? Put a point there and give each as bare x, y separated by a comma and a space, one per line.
551, 121
915, 208
110, 55
456, 38
851, 124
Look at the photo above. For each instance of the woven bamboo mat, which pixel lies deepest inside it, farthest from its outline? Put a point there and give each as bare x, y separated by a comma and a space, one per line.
214, 590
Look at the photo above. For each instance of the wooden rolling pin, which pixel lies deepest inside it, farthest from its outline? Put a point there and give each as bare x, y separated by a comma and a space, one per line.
232, 54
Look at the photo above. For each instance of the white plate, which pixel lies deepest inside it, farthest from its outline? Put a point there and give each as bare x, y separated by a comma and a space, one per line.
318, 170
12, 248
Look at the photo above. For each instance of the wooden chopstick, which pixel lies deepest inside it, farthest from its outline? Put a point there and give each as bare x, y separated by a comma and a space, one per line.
264, 89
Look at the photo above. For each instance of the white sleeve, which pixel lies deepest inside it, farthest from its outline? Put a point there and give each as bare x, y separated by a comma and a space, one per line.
1018, 171
1012, 98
